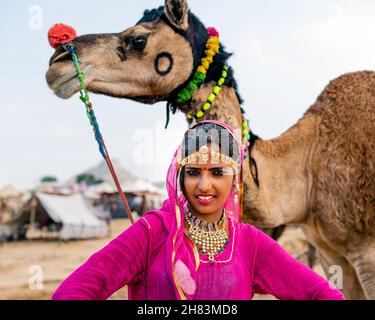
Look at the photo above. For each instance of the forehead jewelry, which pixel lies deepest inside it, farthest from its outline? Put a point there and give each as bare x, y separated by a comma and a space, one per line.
202, 156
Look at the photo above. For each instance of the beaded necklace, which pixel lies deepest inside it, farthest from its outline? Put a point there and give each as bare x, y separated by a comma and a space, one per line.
209, 238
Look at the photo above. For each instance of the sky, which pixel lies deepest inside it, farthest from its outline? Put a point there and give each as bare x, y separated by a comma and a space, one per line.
285, 53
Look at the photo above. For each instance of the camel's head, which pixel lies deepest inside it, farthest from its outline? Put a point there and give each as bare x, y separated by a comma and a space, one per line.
148, 62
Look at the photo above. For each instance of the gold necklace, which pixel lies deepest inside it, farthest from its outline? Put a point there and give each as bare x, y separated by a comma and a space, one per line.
210, 238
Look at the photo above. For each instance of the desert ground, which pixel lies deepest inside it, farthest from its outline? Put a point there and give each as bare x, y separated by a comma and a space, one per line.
57, 259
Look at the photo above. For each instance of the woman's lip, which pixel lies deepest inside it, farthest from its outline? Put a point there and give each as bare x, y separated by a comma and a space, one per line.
208, 199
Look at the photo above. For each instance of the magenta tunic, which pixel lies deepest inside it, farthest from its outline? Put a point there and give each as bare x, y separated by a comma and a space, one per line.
251, 263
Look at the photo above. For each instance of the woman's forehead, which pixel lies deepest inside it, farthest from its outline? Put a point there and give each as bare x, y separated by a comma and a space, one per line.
208, 166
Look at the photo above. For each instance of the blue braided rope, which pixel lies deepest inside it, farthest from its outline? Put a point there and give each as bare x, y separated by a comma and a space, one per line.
84, 96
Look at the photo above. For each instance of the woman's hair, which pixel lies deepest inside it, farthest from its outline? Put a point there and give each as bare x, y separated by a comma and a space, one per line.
208, 134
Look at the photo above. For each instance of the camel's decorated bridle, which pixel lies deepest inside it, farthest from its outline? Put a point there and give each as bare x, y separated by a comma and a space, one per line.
64, 35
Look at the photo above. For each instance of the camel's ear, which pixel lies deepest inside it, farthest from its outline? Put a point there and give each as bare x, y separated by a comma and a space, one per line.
177, 13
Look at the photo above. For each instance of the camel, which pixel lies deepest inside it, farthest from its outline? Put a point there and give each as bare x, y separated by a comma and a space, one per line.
319, 174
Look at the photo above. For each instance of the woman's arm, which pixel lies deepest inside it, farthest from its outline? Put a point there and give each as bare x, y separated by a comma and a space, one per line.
120, 262
276, 272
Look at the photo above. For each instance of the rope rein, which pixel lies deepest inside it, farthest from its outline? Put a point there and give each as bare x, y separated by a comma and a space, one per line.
84, 96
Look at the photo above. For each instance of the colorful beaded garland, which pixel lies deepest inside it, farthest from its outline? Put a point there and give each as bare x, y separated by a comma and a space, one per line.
212, 48
211, 98
245, 136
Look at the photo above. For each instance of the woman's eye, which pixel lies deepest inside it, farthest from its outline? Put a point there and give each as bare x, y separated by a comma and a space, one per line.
218, 172
192, 173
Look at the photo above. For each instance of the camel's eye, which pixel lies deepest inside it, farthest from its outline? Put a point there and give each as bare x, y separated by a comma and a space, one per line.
138, 43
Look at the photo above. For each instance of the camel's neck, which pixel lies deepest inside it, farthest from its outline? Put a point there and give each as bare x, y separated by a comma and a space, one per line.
284, 175
226, 106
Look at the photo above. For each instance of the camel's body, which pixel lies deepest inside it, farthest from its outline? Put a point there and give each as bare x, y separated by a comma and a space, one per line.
319, 174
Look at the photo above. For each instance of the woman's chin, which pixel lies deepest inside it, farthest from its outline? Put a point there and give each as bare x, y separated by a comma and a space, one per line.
204, 209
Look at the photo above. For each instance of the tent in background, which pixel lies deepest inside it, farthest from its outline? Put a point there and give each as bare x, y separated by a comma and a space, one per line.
67, 217
10, 190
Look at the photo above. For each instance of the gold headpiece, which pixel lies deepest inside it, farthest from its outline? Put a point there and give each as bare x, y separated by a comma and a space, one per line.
202, 156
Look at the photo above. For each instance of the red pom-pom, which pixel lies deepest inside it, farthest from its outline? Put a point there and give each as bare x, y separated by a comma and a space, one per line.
60, 34
212, 32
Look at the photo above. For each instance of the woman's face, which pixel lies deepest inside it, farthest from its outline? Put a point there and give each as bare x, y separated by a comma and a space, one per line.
207, 188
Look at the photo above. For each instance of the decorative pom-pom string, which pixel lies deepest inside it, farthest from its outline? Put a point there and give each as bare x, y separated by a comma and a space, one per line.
212, 48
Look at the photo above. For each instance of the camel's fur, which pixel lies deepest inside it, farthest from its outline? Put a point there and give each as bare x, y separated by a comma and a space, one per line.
319, 174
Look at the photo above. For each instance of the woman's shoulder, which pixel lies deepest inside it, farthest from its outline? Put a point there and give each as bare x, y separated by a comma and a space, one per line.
152, 221
247, 228
246, 232
254, 235
157, 220
261, 240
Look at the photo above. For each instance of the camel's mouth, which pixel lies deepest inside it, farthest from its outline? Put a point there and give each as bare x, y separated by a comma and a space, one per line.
67, 84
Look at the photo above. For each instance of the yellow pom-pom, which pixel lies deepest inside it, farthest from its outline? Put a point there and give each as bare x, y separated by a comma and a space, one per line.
211, 97
205, 63
206, 106
214, 48
202, 70
199, 114
214, 44
189, 116
217, 90
209, 59
213, 40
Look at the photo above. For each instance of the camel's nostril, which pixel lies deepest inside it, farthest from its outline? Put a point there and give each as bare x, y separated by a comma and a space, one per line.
59, 55
121, 53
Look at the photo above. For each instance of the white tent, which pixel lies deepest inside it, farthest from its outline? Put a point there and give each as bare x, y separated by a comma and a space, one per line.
140, 186
94, 192
76, 216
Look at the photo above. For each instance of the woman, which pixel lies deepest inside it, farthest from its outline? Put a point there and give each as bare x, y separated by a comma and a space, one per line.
194, 247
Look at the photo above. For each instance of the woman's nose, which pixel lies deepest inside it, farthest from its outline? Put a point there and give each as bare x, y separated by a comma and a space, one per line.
204, 184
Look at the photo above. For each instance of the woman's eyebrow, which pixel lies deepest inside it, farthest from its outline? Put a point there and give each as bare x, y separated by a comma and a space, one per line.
216, 168
210, 169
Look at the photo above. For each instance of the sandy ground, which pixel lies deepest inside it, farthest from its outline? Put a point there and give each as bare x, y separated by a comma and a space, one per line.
22, 262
